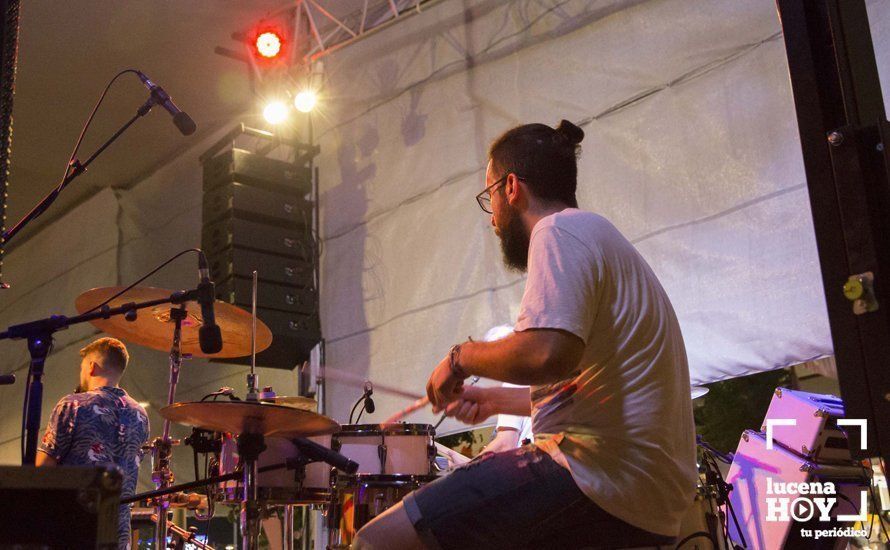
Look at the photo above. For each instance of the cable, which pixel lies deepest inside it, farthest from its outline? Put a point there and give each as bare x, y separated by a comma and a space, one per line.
152, 272
352, 412
710, 462
696, 535
83, 131
878, 512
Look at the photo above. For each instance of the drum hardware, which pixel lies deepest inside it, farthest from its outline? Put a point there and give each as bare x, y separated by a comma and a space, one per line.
708, 515
252, 380
199, 483
381, 454
161, 474
185, 537
359, 499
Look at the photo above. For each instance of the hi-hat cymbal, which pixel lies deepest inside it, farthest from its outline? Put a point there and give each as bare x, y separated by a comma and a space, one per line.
240, 417
154, 329
294, 401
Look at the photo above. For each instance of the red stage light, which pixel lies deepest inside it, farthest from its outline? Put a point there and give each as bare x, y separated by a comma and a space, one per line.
268, 44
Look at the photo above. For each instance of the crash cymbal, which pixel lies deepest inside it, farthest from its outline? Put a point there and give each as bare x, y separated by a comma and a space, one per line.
239, 417
154, 329
698, 391
294, 401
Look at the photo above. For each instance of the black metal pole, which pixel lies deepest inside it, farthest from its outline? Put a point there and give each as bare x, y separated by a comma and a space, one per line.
39, 346
841, 119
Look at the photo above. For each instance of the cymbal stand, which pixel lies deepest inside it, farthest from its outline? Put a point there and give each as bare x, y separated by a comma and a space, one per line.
252, 379
162, 446
287, 530
250, 446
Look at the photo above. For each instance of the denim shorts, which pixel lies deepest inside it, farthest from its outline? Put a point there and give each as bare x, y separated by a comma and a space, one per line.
516, 499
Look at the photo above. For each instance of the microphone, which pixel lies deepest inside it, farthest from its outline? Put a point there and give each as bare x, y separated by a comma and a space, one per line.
209, 335
319, 453
7, 379
369, 403
182, 121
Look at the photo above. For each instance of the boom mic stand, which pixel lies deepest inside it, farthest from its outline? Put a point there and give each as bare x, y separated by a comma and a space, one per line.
75, 169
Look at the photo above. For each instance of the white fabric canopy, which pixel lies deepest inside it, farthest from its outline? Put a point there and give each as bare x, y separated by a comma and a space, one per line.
691, 150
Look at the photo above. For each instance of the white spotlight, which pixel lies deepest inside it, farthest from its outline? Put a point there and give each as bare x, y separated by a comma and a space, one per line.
305, 101
275, 112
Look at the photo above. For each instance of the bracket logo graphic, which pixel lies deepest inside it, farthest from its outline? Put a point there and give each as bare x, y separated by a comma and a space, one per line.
803, 508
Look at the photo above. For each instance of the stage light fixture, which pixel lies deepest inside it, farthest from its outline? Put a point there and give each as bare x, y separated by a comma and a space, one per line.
268, 44
275, 112
305, 101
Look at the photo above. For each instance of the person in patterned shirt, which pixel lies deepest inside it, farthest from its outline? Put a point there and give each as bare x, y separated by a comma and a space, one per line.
99, 424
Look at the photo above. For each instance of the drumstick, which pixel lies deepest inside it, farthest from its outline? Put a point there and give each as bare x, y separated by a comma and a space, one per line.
359, 381
419, 404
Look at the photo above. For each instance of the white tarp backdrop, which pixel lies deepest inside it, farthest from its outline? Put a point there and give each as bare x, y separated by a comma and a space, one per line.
691, 150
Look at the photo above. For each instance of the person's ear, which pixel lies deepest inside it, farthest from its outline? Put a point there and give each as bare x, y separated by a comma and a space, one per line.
95, 368
513, 190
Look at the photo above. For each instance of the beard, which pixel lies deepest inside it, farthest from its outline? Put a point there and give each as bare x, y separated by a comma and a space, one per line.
514, 242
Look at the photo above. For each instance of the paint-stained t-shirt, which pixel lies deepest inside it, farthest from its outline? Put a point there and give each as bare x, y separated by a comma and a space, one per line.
621, 422
100, 427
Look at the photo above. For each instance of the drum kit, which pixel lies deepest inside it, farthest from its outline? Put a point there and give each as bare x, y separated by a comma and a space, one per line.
267, 451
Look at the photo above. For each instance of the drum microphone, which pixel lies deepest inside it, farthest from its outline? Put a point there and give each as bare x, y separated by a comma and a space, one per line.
209, 335
7, 379
319, 453
369, 403
182, 121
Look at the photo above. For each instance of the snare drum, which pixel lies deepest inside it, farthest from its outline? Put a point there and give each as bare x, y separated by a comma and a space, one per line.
404, 449
283, 486
356, 500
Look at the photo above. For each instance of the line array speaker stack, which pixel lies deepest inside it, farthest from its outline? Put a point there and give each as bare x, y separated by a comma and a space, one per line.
258, 215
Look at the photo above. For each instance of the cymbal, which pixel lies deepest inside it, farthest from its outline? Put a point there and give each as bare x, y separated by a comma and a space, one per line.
154, 329
239, 417
294, 401
699, 391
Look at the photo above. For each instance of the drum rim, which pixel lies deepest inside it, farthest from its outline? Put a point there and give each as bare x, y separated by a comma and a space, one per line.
281, 495
384, 479
386, 429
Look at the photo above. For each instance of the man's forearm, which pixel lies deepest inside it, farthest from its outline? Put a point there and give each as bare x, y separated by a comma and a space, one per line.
521, 358
515, 401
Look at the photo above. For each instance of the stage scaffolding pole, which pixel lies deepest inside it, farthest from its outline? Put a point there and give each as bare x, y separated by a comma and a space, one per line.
843, 132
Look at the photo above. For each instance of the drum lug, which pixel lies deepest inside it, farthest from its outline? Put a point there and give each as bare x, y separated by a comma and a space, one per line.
381, 452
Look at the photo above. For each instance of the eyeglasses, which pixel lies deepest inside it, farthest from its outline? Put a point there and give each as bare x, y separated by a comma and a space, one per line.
484, 198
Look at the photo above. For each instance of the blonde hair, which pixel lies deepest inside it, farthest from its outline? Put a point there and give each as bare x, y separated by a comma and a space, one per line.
112, 350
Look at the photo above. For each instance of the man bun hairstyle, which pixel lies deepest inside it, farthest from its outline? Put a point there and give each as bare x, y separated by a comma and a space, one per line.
545, 158
113, 351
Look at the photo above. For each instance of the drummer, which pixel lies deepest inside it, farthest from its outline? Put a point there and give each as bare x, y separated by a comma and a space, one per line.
613, 463
99, 424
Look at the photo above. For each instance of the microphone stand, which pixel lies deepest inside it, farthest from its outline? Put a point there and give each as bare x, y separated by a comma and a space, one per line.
40, 341
75, 169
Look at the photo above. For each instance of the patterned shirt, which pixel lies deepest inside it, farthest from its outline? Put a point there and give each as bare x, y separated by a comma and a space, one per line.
104, 426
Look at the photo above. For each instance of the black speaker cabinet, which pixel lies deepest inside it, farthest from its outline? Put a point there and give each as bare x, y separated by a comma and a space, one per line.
257, 216
61, 507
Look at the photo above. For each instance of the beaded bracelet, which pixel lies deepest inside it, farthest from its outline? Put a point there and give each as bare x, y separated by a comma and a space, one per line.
454, 363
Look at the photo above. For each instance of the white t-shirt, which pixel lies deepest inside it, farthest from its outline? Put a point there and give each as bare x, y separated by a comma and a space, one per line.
522, 424
622, 422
